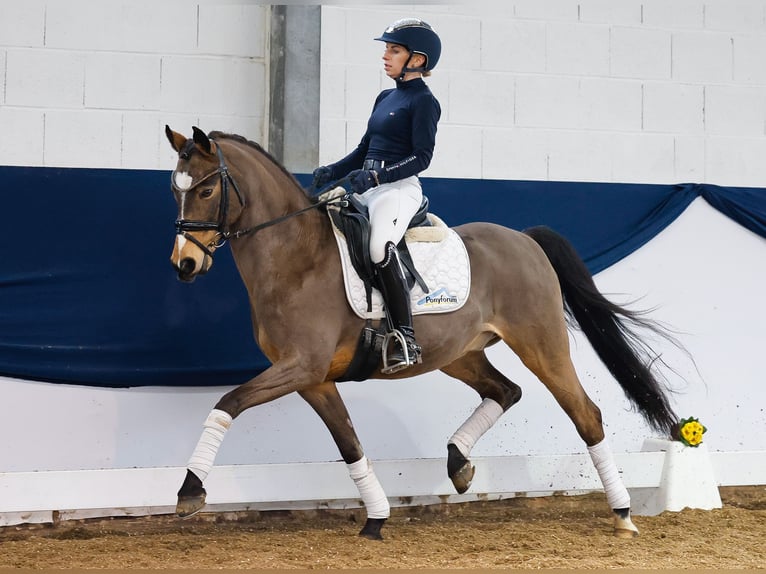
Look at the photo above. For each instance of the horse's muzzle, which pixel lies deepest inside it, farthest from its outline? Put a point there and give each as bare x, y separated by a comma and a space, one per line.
187, 270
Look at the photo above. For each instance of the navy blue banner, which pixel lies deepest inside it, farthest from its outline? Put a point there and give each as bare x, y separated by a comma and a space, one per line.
88, 295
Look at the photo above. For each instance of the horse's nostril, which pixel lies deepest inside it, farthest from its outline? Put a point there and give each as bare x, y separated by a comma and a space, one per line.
187, 266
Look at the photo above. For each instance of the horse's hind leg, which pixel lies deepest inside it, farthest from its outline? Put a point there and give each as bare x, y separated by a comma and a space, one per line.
328, 404
498, 394
547, 356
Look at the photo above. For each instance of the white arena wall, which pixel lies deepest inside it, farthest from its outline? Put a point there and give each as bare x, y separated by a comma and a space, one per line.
630, 91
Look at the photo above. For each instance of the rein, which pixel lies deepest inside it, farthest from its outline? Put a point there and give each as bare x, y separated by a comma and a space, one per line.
184, 226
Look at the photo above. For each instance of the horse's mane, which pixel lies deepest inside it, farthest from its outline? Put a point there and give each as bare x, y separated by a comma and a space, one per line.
243, 140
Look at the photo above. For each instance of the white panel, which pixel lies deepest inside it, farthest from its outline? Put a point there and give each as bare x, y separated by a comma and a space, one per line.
363, 84
610, 12
516, 45
547, 102
22, 136
702, 57
231, 86
458, 152
580, 49
362, 27
580, 156
738, 15
122, 81
42, 78
515, 154
643, 158
690, 159
142, 136
492, 105
159, 27
548, 10
735, 161
83, 138
332, 95
31, 497
750, 59
676, 14
673, 108
640, 53
332, 141
22, 24
245, 29
736, 111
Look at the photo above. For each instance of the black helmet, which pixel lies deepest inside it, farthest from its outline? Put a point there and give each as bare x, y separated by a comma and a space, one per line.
418, 37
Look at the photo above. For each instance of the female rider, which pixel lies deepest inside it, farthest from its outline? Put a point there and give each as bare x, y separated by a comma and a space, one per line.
397, 146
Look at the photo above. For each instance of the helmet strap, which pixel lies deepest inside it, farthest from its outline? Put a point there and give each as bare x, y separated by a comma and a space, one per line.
406, 70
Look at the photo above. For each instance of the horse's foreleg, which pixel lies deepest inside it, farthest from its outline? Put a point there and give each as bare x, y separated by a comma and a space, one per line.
498, 394
274, 382
328, 404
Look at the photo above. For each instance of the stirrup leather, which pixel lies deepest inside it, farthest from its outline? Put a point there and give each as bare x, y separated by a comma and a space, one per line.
410, 352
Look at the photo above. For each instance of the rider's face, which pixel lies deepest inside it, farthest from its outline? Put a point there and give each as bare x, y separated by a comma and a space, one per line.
395, 57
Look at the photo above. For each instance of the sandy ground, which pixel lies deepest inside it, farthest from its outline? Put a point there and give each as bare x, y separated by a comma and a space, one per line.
572, 532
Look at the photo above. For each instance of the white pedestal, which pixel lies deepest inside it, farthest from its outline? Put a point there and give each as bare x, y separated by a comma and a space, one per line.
687, 480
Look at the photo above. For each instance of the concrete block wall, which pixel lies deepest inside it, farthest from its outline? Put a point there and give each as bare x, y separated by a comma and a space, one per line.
85, 83
645, 91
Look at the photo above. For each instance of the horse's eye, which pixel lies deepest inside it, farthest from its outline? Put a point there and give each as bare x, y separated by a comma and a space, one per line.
205, 193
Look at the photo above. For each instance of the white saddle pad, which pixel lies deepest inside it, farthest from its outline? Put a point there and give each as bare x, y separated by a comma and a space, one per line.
441, 259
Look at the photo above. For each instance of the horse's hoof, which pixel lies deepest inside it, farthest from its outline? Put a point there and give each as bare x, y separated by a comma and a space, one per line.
189, 505
625, 533
623, 525
372, 528
459, 469
463, 477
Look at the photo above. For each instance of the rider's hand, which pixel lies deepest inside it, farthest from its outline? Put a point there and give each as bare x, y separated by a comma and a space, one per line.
362, 179
322, 176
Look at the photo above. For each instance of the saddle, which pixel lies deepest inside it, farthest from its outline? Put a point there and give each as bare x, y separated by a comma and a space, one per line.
351, 218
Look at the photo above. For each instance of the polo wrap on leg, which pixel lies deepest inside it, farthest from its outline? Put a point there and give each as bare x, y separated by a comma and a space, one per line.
616, 494
372, 494
216, 425
480, 421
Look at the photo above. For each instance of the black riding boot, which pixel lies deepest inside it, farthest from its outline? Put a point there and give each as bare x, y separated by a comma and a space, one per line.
396, 296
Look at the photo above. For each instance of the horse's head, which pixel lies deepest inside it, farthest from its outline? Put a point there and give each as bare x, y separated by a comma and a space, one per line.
201, 183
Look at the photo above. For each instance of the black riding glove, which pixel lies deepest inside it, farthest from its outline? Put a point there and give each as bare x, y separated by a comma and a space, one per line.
362, 179
322, 176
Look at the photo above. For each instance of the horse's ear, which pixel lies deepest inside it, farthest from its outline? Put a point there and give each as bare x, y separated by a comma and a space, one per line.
176, 140
202, 141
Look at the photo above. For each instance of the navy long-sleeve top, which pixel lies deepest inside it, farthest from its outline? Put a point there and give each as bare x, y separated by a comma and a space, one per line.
401, 131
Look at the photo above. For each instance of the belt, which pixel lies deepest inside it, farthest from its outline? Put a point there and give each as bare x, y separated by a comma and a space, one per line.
373, 164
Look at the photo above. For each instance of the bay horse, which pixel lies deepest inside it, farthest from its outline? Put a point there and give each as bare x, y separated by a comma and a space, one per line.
526, 289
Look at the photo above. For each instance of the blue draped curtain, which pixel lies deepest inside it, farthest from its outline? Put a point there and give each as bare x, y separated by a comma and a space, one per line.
88, 295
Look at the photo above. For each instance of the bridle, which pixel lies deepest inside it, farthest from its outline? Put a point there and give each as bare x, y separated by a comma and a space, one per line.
184, 226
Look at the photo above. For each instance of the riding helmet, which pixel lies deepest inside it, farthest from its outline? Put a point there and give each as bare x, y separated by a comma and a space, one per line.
418, 37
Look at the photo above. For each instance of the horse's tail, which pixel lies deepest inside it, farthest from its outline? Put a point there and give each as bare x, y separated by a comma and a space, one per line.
610, 329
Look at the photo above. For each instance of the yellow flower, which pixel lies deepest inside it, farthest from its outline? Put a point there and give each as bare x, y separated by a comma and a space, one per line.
691, 431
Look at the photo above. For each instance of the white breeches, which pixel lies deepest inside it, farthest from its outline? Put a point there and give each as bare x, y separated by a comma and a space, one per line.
391, 207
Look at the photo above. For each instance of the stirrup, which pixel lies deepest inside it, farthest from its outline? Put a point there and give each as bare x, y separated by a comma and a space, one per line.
407, 361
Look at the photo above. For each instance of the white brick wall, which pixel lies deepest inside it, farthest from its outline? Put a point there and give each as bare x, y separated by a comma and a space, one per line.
91, 84
656, 91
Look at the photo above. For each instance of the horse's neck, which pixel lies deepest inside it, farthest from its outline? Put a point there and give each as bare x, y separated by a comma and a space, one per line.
286, 247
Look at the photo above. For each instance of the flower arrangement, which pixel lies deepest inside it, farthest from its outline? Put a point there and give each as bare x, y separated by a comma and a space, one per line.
689, 432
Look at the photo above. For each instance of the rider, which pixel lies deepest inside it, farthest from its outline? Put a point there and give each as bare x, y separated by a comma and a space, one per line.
397, 146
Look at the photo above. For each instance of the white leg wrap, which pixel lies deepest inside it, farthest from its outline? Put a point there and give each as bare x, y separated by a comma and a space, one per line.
216, 425
616, 494
372, 494
480, 421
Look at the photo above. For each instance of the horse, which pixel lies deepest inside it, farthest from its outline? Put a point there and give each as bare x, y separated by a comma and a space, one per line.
527, 289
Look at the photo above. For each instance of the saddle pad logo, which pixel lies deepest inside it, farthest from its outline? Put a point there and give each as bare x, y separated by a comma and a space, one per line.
438, 298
